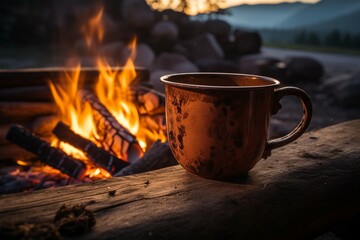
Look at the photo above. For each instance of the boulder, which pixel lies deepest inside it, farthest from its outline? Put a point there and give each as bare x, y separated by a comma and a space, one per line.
220, 65
190, 29
155, 79
303, 69
217, 27
112, 50
204, 46
163, 36
345, 89
165, 30
173, 62
246, 42
262, 65
137, 13
145, 56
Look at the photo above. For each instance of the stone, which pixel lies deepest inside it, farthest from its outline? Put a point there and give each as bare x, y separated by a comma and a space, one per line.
262, 65
181, 49
246, 42
163, 36
204, 46
137, 13
145, 56
155, 79
345, 89
217, 27
221, 65
173, 62
113, 50
165, 30
303, 69
190, 29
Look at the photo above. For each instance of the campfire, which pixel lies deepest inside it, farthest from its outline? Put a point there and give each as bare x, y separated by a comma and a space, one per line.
101, 128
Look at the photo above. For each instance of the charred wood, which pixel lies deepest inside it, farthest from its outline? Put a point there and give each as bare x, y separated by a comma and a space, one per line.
113, 136
97, 155
47, 154
158, 156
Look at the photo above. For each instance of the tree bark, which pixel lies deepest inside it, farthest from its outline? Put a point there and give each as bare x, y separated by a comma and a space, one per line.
301, 190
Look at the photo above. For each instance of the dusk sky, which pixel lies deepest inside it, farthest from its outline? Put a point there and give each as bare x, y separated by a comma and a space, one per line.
237, 2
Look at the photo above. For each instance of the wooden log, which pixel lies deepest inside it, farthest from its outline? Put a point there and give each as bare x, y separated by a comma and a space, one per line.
149, 101
23, 110
157, 156
97, 155
54, 157
303, 189
40, 76
114, 137
4, 128
26, 94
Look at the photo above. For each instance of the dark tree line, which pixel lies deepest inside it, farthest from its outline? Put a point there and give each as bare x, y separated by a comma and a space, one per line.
334, 38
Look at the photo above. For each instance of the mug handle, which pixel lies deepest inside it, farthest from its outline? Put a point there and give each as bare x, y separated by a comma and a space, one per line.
303, 124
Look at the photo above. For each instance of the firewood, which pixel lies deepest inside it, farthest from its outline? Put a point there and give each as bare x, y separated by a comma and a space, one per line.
47, 154
4, 128
157, 156
114, 137
23, 110
40, 77
97, 155
149, 101
28, 94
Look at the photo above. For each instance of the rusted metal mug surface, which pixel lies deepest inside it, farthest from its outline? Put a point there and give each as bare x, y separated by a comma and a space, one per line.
217, 123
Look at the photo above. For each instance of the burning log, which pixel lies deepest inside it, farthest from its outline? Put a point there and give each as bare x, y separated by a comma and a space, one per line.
113, 136
149, 101
47, 154
97, 155
158, 156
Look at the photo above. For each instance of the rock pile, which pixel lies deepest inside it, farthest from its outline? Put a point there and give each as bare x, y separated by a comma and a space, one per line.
167, 42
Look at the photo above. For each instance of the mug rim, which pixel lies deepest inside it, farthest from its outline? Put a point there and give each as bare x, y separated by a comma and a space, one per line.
165, 79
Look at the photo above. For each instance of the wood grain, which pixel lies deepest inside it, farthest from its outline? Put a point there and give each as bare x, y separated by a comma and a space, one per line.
301, 190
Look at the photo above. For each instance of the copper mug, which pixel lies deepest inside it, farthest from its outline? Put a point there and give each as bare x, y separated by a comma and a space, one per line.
217, 123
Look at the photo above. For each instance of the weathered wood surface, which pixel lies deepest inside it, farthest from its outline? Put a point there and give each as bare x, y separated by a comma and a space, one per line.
301, 190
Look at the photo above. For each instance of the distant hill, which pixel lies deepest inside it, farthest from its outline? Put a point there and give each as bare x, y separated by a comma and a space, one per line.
349, 23
263, 15
322, 12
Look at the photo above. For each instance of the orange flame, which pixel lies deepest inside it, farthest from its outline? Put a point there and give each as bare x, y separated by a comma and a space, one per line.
94, 30
112, 89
